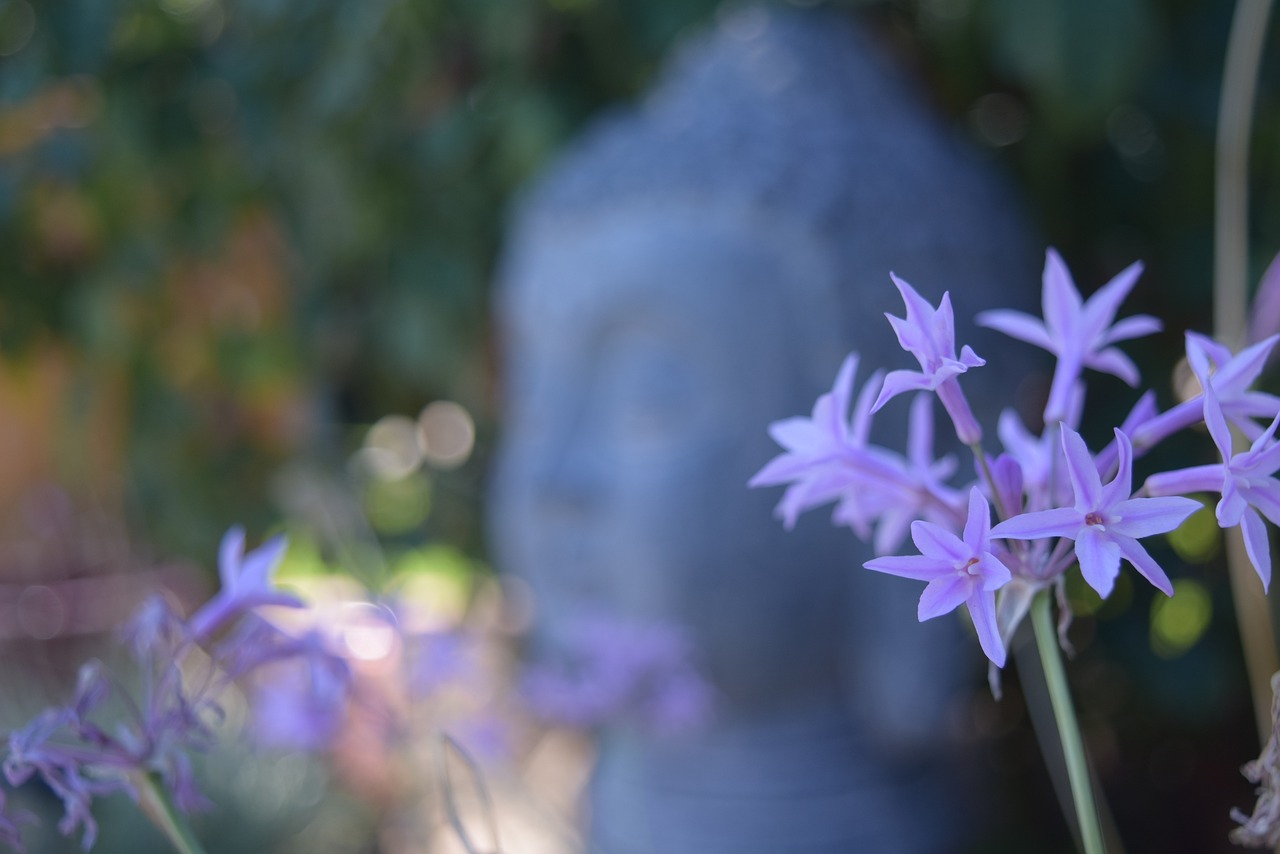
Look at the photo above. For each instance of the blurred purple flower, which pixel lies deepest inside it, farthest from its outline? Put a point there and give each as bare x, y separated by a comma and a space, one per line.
610, 670
929, 334
916, 490
822, 457
1106, 522
1264, 314
246, 583
959, 570
178, 705
1080, 333
301, 703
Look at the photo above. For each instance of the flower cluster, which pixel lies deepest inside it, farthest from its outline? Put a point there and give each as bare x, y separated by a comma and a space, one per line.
183, 668
607, 670
1056, 503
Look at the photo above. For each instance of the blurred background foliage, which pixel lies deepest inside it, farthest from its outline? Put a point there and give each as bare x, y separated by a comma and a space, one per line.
246, 244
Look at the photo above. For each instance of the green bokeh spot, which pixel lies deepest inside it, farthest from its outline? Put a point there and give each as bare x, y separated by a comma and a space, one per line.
1198, 539
1178, 623
398, 506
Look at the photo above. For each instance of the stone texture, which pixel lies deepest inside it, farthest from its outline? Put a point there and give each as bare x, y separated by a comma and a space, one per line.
691, 270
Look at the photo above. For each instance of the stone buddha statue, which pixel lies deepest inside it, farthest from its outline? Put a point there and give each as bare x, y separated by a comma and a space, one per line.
690, 271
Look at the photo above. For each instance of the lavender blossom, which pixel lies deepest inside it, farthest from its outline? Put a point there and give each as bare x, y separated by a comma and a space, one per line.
916, 490
1080, 333
182, 673
1231, 377
246, 583
610, 671
1106, 522
1246, 482
958, 570
828, 458
929, 334
825, 454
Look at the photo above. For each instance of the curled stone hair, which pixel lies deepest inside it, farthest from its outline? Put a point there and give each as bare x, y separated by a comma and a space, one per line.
801, 121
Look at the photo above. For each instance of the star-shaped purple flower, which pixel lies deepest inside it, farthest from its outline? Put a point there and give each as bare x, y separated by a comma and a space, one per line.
1079, 332
1246, 481
958, 570
1231, 376
929, 334
827, 457
1106, 522
246, 583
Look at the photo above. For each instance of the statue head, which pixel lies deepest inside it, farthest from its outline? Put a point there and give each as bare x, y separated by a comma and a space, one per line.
688, 273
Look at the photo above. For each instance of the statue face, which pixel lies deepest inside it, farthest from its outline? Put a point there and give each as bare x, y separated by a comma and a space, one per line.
644, 359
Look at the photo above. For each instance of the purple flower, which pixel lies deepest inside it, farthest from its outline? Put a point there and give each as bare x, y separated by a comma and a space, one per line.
958, 570
1079, 333
1264, 313
1231, 377
609, 670
300, 704
246, 583
929, 334
1105, 522
915, 488
821, 460
1245, 481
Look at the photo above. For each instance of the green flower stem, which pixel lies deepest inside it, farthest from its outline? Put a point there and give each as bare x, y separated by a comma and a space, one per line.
154, 800
1230, 291
1055, 678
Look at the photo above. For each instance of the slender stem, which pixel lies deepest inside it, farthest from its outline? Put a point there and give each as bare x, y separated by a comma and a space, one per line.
1230, 274
154, 800
1055, 678
1231, 172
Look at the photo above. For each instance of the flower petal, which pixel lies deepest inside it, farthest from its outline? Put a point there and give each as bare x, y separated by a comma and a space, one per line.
982, 608
1084, 474
1145, 517
1099, 558
939, 543
1131, 327
1058, 522
917, 567
944, 595
977, 526
1257, 544
900, 382
1017, 324
1112, 361
1144, 563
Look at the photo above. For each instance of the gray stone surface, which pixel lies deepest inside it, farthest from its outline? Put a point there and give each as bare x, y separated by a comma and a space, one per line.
691, 270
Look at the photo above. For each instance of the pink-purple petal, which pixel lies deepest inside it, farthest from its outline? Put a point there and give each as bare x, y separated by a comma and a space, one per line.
982, 608
944, 594
1146, 517
977, 526
900, 382
1257, 544
1145, 564
994, 573
1058, 522
917, 567
1185, 481
1112, 361
939, 543
1060, 299
1017, 324
1099, 558
1136, 326
1085, 481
